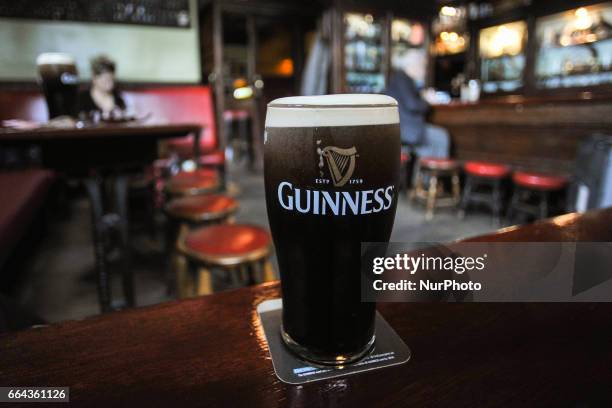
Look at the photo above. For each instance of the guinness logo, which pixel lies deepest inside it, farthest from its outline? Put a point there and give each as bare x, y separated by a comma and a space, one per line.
340, 162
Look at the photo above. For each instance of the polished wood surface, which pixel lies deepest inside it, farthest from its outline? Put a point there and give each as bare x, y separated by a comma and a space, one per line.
540, 134
99, 131
593, 226
77, 151
210, 351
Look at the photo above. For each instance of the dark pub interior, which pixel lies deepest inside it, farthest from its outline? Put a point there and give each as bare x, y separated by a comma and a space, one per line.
194, 191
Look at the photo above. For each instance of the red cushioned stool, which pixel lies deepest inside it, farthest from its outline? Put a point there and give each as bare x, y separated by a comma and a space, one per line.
201, 208
528, 185
490, 176
432, 171
239, 249
183, 214
199, 181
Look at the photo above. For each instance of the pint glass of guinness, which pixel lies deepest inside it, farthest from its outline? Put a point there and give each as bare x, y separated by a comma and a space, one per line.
331, 167
58, 74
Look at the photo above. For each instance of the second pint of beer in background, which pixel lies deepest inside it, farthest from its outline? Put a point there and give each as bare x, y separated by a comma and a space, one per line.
331, 166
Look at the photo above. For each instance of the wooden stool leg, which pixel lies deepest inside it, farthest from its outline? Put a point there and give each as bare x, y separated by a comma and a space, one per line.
456, 187
497, 201
513, 203
251, 272
543, 205
268, 271
465, 199
431, 195
184, 279
236, 275
258, 271
178, 263
418, 184
402, 181
204, 282
170, 251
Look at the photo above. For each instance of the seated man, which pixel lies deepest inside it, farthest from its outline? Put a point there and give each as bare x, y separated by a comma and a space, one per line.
424, 139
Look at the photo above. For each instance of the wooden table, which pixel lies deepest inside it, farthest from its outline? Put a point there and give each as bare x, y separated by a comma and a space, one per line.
211, 352
103, 155
79, 150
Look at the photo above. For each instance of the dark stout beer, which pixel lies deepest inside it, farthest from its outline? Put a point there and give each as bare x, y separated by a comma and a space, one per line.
331, 178
58, 74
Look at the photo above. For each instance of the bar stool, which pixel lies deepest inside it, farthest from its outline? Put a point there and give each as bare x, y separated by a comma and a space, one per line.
201, 208
527, 185
433, 170
479, 174
199, 181
185, 213
240, 249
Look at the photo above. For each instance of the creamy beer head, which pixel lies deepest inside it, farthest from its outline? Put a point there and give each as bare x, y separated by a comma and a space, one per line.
331, 170
54, 58
332, 110
54, 64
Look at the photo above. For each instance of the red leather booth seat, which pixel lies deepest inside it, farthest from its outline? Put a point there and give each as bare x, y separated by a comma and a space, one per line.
192, 104
28, 105
23, 195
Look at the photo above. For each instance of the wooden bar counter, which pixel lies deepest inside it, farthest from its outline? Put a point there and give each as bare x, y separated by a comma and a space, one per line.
210, 351
531, 133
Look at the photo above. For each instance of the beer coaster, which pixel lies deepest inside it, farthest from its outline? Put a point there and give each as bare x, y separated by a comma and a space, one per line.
389, 350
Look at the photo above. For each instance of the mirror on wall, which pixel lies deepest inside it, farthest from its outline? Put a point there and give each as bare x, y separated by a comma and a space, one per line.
575, 48
502, 56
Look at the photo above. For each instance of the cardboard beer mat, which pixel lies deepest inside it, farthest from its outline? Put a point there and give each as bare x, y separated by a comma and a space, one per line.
389, 350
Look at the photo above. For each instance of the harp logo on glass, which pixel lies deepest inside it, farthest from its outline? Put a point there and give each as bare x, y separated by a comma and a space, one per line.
341, 166
340, 162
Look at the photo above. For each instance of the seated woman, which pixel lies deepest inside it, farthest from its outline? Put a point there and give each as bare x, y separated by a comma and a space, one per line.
102, 98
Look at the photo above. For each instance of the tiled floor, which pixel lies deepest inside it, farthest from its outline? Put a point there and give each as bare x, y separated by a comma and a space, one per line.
59, 281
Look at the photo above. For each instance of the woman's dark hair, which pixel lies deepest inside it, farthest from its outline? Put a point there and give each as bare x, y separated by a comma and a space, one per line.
101, 64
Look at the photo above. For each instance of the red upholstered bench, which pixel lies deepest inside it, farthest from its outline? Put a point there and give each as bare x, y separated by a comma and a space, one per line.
27, 105
23, 196
192, 104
